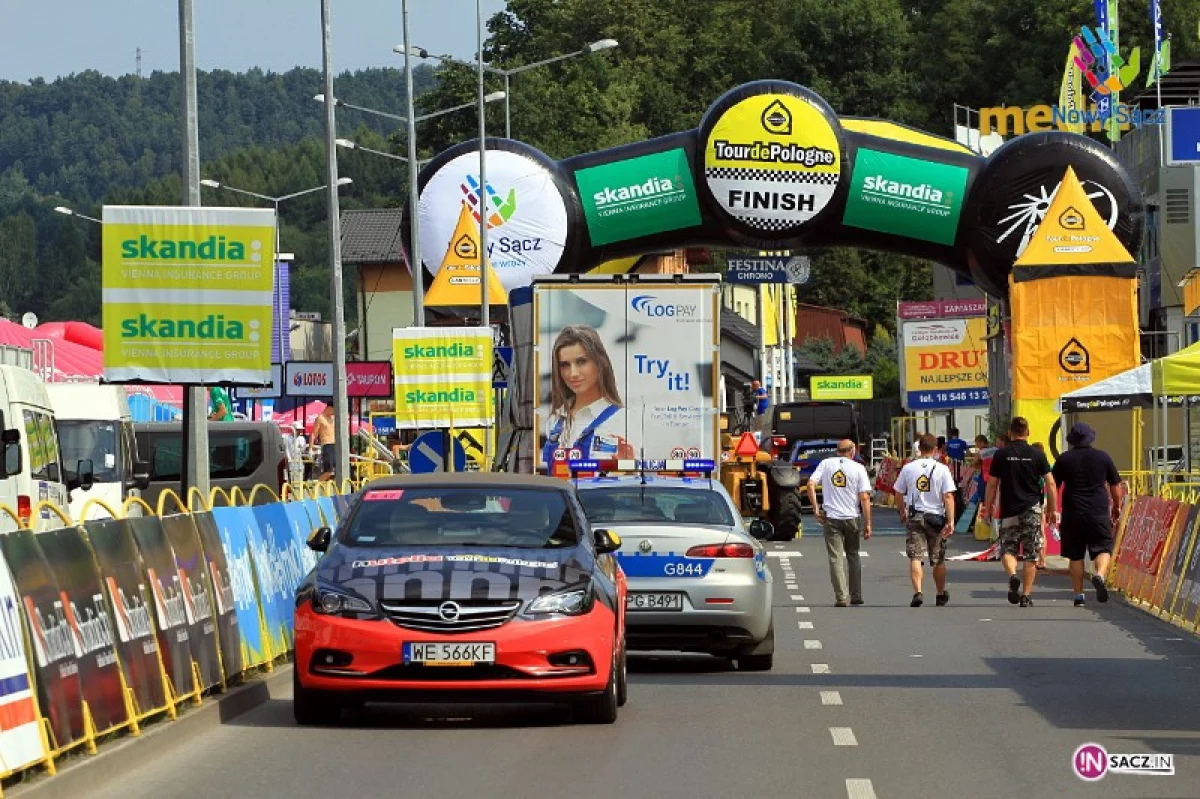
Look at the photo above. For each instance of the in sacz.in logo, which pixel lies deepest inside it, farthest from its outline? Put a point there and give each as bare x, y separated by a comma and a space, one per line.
905, 196
499, 209
649, 305
1092, 762
639, 197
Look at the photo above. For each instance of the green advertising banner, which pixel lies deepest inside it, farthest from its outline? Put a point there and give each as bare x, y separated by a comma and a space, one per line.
842, 387
905, 196
187, 294
638, 197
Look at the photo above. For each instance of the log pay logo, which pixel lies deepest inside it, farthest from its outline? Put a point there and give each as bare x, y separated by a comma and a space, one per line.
1092, 762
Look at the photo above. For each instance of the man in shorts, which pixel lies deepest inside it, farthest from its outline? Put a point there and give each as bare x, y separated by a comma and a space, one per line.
927, 510
1091, 502
1021, 476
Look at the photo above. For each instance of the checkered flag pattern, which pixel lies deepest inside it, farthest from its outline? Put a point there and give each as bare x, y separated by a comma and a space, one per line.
773, 176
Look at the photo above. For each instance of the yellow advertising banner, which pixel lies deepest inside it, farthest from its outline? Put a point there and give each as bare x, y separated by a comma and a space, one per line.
1191, 295
443, 377
1044, 423
945, 363
187, 294
1069, 332
457, 280
1070, 92
1072, 234
842, 387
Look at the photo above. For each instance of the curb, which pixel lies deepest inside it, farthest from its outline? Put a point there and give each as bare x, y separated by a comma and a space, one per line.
78, 775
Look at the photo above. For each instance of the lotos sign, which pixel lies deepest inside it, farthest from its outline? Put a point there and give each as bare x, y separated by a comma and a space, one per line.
308, 379
187, 295
945, 363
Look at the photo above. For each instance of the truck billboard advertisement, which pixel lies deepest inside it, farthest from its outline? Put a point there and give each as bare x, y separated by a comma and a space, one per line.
625, 370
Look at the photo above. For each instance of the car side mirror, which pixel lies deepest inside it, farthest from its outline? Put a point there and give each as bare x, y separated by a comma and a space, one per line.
10, 448
606, 541
141, 475
85, 474
320, 538
761, 529
53, 474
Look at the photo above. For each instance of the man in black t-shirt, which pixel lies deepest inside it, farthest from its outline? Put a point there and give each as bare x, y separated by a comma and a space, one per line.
1092, 493
1022, 476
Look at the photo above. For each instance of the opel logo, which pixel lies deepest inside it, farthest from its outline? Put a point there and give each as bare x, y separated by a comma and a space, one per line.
449, 611
645, 546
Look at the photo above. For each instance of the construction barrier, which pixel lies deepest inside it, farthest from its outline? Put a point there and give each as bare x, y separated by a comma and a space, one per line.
1157, 559
108, 622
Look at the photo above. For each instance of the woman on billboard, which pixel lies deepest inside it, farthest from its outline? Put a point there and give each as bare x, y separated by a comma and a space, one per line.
587, 413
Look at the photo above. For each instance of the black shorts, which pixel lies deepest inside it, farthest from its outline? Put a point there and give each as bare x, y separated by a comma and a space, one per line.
1086, 536
328, 457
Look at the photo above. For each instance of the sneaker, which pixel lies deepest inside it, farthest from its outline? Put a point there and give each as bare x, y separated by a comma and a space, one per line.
856, 601
1014, 589
917, 600
943, 598
1079, 601
841, 603
1026, 601
1101, 588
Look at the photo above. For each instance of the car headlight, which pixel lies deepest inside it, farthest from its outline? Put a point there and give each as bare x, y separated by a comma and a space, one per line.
572, 601
337, 602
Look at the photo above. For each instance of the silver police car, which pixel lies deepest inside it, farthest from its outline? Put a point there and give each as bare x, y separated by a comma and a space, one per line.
698, 580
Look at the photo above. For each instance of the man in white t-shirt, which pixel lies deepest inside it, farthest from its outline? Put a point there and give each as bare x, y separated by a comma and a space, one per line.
926, 490
846, 505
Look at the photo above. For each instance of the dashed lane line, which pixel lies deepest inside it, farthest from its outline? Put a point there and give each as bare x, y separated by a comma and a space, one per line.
812, 644
796, 597
859, 789
802, 609
820, 668
805, 625
785, 555
831, 698
843, 736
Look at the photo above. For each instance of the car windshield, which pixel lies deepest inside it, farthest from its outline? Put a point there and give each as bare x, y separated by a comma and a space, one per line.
802, 453
96, 441
635, 504
476, 516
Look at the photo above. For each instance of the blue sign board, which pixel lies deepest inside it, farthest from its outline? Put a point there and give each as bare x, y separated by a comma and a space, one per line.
1183, 135
428, 454
502, 361
384, 425
934, 400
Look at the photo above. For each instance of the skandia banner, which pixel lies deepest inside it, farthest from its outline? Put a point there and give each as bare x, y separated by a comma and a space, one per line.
945, 363
906, 196
638, 197
187, 294
625, 371
443, 377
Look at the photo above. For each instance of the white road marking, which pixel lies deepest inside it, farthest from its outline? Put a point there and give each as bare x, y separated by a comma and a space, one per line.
805, 625
831, 698
802, 610
985, 619
785, 554
859, 789
793, 587
864, 554
843, 736
820, 668
796, 597
916, 656
811, 644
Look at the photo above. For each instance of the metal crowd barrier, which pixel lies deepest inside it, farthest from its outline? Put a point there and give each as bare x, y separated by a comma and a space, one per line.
166, 605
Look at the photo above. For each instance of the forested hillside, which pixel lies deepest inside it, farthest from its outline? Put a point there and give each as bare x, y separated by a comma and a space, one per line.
89, 139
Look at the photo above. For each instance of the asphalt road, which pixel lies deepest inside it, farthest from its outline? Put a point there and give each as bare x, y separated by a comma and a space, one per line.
980, 698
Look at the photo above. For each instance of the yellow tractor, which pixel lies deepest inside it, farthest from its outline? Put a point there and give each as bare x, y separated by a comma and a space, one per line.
762, 487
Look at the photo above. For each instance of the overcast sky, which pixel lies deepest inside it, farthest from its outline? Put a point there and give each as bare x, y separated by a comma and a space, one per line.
49, 38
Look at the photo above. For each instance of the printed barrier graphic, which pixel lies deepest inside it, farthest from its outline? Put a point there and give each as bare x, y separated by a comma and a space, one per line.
124, 618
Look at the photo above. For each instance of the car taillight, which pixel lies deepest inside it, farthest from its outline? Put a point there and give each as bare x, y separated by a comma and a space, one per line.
778, 443
721, 551
24, 509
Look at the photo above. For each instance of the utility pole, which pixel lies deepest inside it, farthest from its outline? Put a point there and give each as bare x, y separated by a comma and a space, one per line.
341, 417
195, 403
138, 61
485, 308
415, 266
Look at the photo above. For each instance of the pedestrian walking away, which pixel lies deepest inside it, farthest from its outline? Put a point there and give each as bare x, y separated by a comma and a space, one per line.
845, 514
1021, 476
1092, 494
926, 489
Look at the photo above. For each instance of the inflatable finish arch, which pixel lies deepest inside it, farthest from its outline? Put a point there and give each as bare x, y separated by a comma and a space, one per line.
771, 166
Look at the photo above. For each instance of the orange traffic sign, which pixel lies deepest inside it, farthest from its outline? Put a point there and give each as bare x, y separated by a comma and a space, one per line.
746, 447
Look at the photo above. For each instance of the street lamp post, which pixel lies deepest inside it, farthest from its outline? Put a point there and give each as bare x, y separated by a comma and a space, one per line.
62, 209
215, 184
350, 144
410, 121
587, 49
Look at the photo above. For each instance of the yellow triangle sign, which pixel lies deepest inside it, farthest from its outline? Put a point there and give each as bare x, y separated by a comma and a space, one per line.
1072, 232
457, 279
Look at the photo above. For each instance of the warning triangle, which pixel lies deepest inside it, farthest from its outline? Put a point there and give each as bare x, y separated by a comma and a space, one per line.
1072, 232
457, 279
747, 447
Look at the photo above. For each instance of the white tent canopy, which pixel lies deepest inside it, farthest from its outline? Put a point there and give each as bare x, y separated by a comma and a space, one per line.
1129, 389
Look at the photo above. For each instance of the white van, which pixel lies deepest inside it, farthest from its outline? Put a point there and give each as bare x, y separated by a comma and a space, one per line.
95, 428
32, 470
